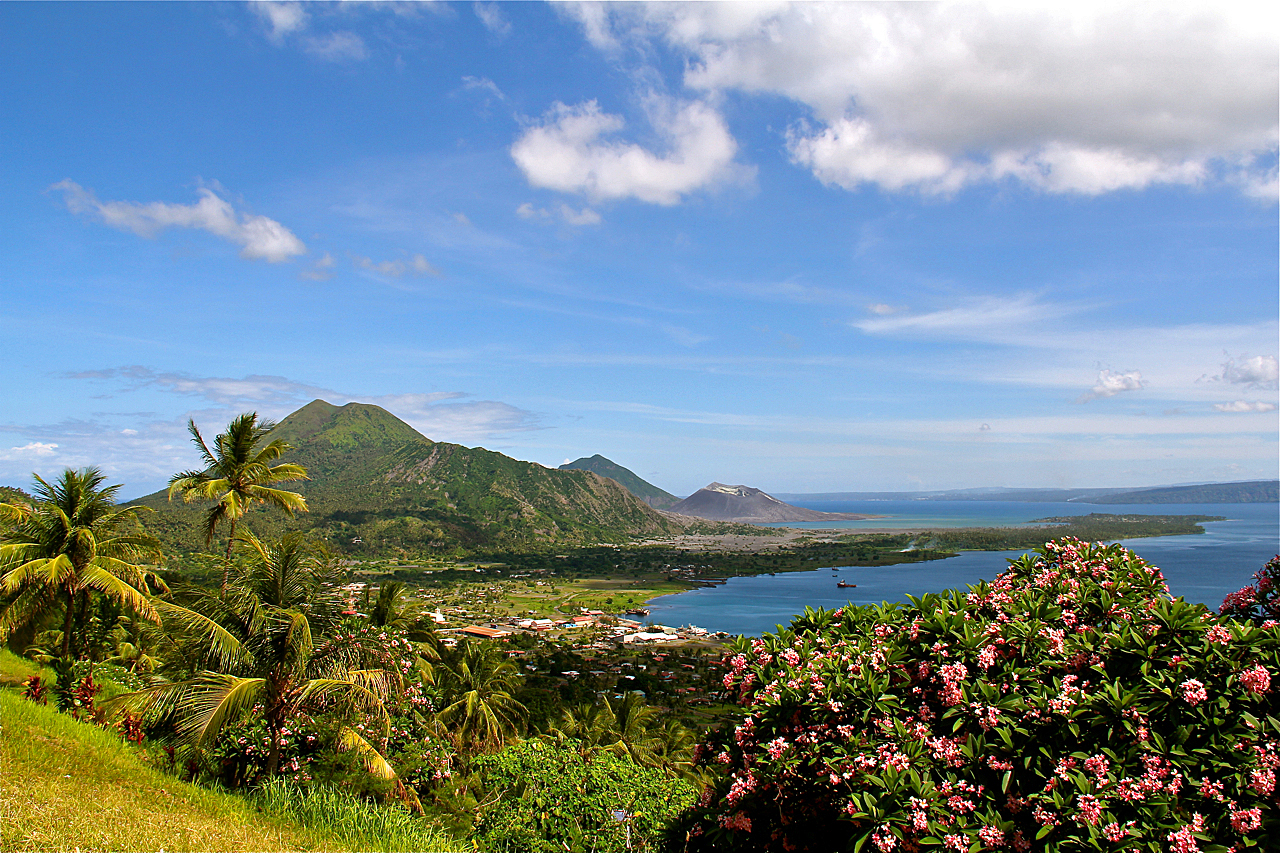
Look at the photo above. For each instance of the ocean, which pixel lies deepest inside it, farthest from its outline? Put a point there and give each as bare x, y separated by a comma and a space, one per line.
1202, 568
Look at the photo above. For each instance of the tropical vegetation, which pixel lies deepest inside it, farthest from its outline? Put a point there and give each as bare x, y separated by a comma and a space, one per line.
1069, 704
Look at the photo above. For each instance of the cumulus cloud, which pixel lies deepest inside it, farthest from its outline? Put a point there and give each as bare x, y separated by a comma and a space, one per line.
1259, 371
573, 150
281, 19
585, 216
417, 265
1066, 98
986, 318
1111, 383
1245, 406
259, 237
34, 451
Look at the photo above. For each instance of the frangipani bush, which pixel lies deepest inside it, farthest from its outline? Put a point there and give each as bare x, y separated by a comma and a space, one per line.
1068, 705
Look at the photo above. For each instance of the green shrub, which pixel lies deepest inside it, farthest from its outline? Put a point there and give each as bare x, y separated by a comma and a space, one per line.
1068, 705
541, 796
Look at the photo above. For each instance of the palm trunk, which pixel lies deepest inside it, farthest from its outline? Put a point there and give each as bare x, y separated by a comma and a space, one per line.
226, 562
67, 623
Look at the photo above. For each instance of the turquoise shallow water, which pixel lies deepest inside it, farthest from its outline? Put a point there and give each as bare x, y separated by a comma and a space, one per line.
1199, 568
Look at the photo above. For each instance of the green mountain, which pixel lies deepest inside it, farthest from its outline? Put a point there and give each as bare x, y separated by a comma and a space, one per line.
645, 491
377, 486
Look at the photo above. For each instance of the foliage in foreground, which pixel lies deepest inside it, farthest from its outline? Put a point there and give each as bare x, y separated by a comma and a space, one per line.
1068, 705
357, 823
543, 796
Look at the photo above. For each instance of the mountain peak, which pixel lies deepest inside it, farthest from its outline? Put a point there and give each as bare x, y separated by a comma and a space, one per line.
645, 491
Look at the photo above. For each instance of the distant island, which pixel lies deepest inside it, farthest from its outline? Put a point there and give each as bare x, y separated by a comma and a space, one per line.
1245, 491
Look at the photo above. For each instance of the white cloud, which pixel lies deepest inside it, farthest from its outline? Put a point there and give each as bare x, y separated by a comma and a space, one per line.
281, 18
258, 236
490, 15
35, 450
417, 265
337, 46
989, 318
570, 151
586, 216
1245, 406
1111, 383
1260, 371
1068, 98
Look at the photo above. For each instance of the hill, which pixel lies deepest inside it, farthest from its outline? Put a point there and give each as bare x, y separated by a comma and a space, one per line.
1249, 492
645, 491
377, 486
718, 502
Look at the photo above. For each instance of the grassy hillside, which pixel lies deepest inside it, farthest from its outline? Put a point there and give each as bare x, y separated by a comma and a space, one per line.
70, 785
378, 487
644, 490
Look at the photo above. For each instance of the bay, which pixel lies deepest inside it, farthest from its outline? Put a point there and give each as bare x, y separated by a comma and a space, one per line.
1201, 568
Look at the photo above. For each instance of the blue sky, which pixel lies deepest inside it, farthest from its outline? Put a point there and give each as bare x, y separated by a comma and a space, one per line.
827, 247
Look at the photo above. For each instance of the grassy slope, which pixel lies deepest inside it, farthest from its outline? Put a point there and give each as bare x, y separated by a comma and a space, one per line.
68, 785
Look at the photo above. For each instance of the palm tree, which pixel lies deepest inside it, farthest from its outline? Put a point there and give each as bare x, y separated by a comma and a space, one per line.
262, 648
237, 474
70, 543
477, 681
627, 729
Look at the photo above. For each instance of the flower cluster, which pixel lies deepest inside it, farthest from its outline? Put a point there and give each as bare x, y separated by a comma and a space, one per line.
1069, 702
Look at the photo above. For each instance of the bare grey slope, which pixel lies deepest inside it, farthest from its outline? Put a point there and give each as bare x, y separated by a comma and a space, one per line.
718, 502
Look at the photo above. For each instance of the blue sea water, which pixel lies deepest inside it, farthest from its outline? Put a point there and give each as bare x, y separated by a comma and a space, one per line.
1201, 568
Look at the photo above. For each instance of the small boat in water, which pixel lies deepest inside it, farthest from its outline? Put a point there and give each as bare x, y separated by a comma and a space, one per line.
844, 585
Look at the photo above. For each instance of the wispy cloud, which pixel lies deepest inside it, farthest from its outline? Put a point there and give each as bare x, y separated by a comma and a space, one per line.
996, 319
491, 16
260, 238
1241, 406
565, 213
416, 265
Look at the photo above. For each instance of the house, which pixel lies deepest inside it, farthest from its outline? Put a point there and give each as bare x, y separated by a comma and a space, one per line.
486, 633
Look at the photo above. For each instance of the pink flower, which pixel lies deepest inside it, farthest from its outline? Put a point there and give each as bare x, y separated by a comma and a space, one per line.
1183, 841
736, 821
1114, 832
1090, 809
1263, 781
991, 836
1193, 692
1218, 634
1257, 679
884, 839
955, 842
1246, 820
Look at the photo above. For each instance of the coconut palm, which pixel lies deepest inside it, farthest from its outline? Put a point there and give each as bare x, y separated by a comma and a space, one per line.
237, 474
71, 543
477, 681
625, 728
263, 648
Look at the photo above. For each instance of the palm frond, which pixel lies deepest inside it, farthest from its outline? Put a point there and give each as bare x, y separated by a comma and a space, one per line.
222, 647
214, 700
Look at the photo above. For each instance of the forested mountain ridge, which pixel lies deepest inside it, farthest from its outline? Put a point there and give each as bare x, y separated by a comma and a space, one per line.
644, 490
375, 485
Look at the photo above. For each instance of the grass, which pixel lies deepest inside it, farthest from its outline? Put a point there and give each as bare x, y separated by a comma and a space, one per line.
360, 825
69, 785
